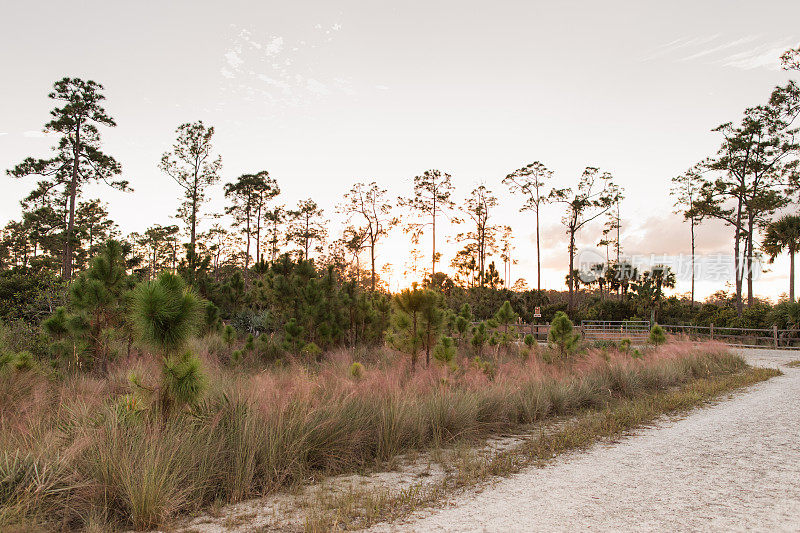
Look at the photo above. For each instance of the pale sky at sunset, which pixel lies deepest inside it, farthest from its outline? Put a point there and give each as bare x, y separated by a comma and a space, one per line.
323, 94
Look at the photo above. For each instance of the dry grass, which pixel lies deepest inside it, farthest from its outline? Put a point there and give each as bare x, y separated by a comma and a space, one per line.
793, 364
84, 453
360, 509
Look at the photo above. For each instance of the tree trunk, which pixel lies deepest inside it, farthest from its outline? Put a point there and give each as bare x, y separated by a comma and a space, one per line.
193, 234
737, 260
428, 348
791, 273
538, 255
619, 226
749, 264
372, 261
306, 244
691, 225
571, 279
247, 251
413, 342
73, 193
433, 232
258, 234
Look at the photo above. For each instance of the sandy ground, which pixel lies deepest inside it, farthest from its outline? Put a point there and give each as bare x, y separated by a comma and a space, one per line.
732, 466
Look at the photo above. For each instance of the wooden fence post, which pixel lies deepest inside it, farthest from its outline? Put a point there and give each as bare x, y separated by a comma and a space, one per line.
712, 331
775, 334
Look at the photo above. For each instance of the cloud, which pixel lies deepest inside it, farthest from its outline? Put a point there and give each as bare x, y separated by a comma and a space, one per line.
274, 47
233, 59
763, 56
278, 72
679, 44
721, 47
34, 134
744, 52
651, 237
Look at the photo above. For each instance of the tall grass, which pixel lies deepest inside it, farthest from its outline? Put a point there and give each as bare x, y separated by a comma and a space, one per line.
82, 447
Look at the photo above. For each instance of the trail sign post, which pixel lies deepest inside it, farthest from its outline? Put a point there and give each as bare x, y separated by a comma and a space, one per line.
537, 312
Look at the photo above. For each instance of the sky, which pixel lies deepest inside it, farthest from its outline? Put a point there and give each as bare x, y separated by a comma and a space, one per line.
325, 94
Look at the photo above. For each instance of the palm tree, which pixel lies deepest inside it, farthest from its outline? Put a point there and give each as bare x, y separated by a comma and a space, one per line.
784, 234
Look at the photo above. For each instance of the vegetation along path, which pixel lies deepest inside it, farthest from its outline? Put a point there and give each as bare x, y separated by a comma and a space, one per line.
732, 466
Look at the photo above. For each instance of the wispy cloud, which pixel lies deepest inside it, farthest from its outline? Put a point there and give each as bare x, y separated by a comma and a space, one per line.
280, 73
679, 44
767, 55
721, 47
745, 52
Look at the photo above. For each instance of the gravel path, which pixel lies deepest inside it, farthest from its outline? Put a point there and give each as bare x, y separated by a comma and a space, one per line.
733, 466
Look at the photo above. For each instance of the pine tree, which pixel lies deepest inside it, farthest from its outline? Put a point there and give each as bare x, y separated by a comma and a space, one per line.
431, 200
307, 228
506, 316
98, 303
561, 334
594, 196
166, 314
78, 158
482, 241
530, 181
193, 167
409, 305
432, 320
368, 203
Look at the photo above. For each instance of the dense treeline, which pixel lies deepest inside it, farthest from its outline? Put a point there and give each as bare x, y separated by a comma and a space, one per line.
280, 270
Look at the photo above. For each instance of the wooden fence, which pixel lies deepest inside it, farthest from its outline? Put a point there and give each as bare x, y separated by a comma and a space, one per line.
638, 331
766, 337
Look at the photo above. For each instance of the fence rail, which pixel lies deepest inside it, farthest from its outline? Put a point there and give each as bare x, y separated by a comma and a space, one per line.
615, 330
755, 337
638, 331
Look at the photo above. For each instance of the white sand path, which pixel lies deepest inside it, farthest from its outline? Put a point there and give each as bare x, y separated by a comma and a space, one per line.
732, 466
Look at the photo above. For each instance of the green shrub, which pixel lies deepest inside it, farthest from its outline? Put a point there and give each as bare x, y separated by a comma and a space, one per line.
657, 335
23, 361
487, 367
562, 335
445, 350
529, 340
625, 345
212, 321
269, 351
166, 314
356, 370
311, 351
229, 335
184, 381
505, 316
479, 337
292, 335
